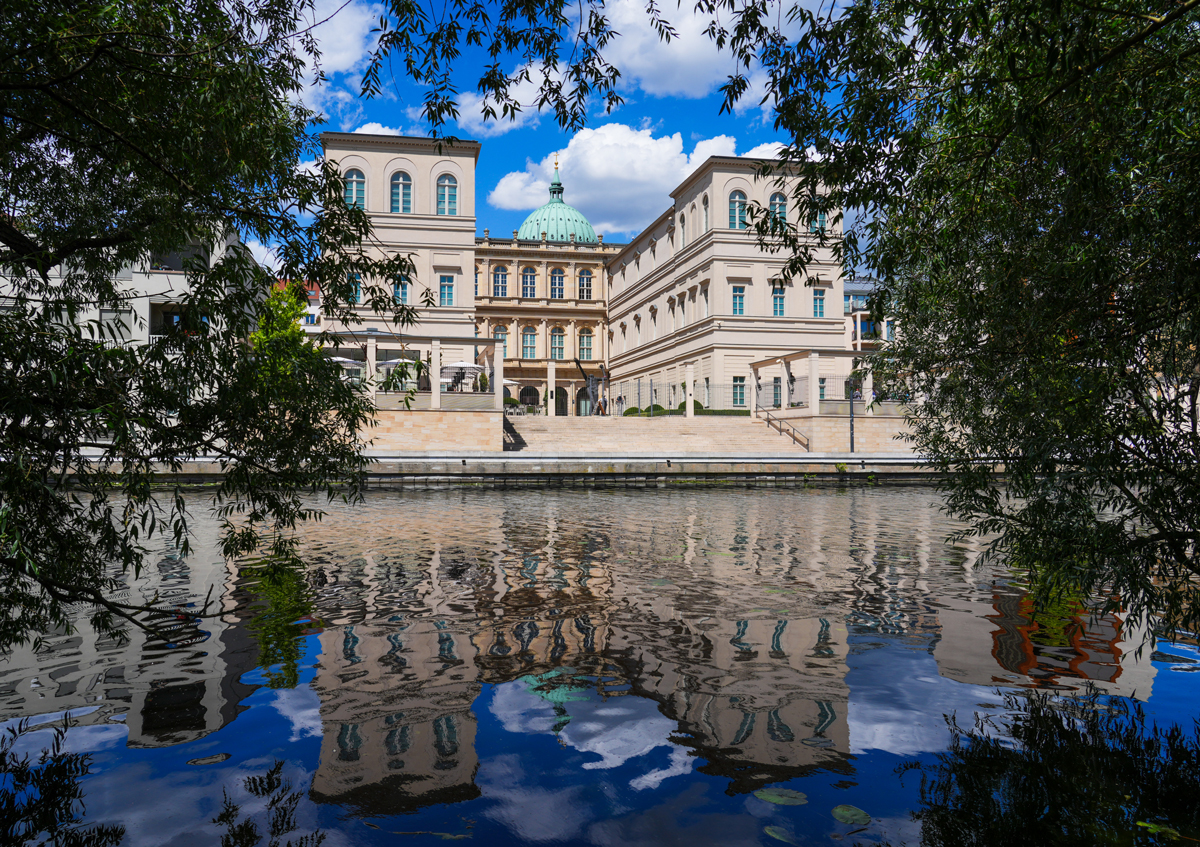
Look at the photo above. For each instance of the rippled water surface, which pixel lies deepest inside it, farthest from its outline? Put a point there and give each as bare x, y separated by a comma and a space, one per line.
574, 667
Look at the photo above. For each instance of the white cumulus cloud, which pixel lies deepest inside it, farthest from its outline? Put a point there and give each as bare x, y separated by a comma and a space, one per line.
376, 128
619, 177
688, 66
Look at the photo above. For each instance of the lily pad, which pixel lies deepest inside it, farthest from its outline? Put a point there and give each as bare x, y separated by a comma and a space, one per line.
779, 834
781, 796
851, 815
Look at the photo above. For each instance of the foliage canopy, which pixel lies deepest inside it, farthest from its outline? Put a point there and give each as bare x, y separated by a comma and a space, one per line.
129, 132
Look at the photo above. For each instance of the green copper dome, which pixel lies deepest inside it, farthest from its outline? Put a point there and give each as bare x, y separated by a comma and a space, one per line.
558, 220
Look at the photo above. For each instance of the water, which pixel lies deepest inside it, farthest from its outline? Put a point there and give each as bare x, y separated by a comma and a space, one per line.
576, 667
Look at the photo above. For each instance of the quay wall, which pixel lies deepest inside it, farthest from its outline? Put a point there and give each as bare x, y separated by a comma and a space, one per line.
399, 430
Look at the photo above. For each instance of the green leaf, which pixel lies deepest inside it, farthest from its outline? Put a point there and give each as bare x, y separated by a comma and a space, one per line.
780, 834
781, 796
851, 815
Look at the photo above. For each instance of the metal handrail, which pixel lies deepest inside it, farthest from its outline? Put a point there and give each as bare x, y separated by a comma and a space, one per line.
779, 424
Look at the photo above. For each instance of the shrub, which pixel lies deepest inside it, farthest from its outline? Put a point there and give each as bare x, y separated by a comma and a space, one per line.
632, 410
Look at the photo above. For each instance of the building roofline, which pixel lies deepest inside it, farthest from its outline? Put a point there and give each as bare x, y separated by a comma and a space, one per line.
742, 162
410, 141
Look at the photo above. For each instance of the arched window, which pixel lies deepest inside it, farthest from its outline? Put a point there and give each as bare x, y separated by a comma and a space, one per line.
529, 343
528, 283
585, 285
401, 193
447, 195
585, 345
529, 396
500, 333
557, 278
500, 281
682, 231
779, 207
558, 343
705, 206
356, 189
737, 210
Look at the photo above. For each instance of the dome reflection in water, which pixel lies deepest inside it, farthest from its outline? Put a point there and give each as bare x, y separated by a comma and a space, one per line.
578, 667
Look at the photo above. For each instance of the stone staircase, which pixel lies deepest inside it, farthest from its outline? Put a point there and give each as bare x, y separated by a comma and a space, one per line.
645, 436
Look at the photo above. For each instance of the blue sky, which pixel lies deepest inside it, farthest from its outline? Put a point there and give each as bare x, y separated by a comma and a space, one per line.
619, 171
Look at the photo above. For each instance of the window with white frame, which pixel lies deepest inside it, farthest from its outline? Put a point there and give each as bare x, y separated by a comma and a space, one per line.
529, 343
817, 224
500, 333
557, 283
500, 281
585, 285
400, 291
779, 207
818, 302
737, 210
739, 300
528, 283
777, 301
446, 290
356, 189
558, 339
739, 391
585, 345
356, 292
401, 193
447, 195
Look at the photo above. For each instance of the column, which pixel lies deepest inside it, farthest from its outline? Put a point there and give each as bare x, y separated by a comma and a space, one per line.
543, 342
572, 341
689, 378
369, 371
435, 375
498, 376
814, 384
571, 399
868, 390
550, 398
753, 388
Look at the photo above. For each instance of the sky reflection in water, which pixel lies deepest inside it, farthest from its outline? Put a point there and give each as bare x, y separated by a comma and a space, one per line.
578, 667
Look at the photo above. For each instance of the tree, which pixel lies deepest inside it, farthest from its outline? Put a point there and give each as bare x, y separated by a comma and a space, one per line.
129, 131
1024, 176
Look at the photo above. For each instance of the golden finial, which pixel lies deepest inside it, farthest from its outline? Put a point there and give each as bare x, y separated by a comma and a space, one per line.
555, 161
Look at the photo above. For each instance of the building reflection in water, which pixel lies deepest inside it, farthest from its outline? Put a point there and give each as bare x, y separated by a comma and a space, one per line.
713, 623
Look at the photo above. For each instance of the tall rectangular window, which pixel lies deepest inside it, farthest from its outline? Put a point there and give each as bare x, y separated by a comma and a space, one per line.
777, 302
777, 387
818, 302
585, 285
845, 304
739, 391
400, 291
501, 335
739, 299
891, 330
557, 279
821, 388
557, 344
528, 283
585, 346
356, 294
529, 344
446, 291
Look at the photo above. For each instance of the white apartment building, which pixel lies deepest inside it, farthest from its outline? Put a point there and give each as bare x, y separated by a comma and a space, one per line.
696, 288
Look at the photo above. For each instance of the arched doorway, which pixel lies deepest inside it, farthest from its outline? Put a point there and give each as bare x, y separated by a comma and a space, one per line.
561, 401
583, 403
529, 396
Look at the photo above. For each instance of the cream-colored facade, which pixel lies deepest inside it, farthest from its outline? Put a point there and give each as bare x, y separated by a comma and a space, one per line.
545, 300
421, 199
697, 288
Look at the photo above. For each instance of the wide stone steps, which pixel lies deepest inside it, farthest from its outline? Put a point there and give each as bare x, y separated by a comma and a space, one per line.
704, 434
